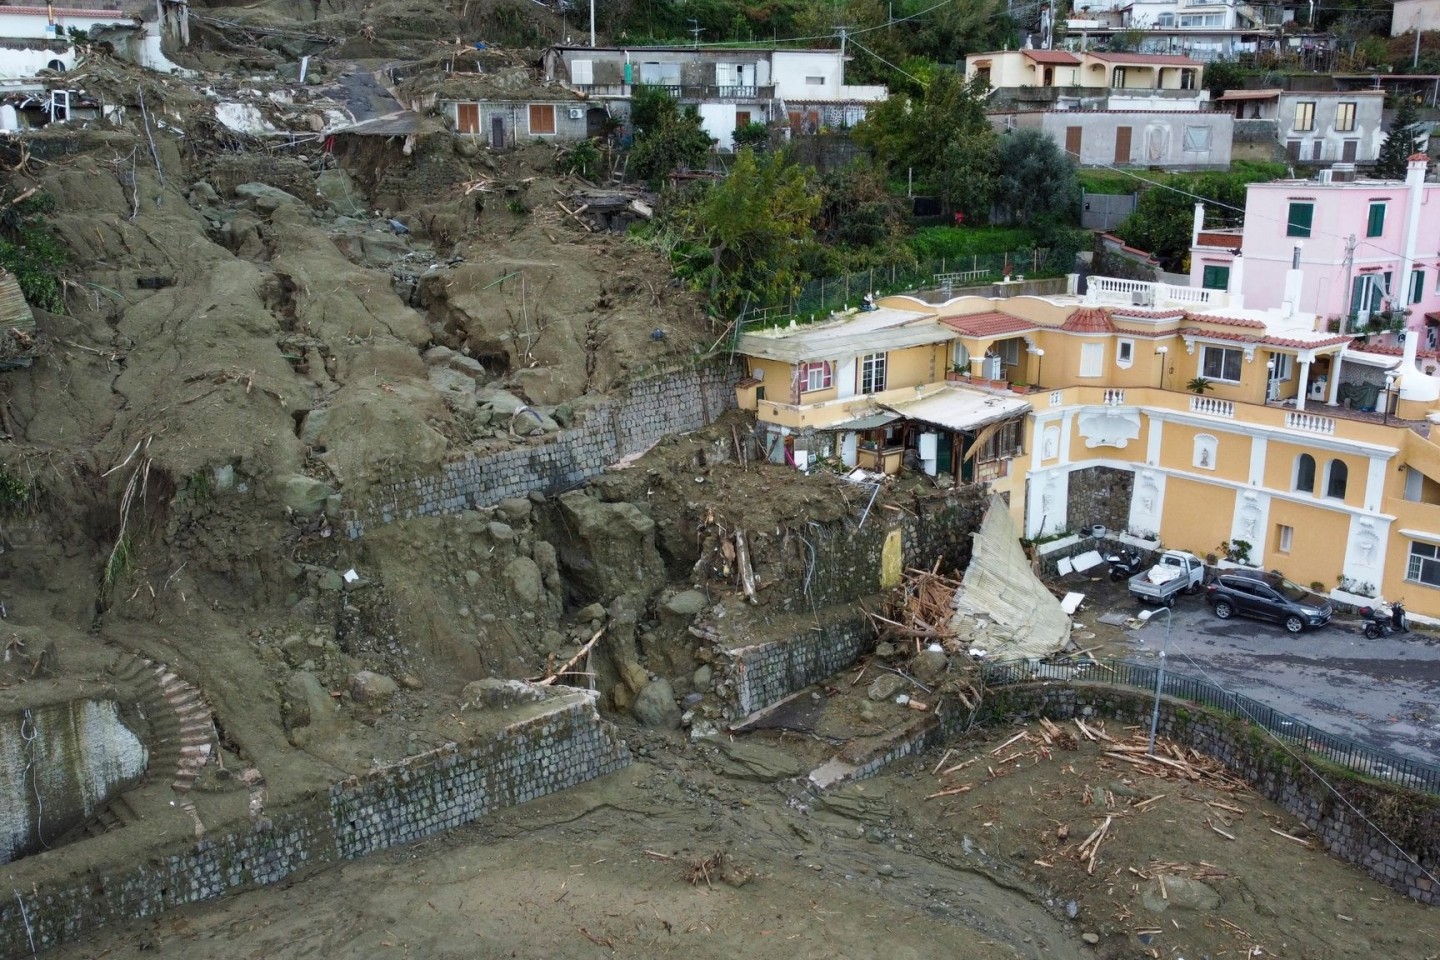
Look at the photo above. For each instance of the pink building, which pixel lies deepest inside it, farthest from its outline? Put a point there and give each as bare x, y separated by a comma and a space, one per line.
1362, 255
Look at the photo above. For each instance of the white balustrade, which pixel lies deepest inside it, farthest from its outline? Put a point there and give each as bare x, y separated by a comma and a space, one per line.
1213, 407
1313, 423
1114, 397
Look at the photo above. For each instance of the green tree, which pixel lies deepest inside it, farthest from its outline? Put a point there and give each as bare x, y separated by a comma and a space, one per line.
1400, 139
748, 232
967, 174
754, 135
1222, 75
1036, 181
909, 131
859, 220
666, 136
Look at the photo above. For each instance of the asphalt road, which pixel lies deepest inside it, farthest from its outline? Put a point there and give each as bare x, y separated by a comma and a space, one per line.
1384, 692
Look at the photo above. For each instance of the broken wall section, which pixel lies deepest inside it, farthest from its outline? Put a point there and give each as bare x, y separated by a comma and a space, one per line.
68, 892
850, 564
677, 401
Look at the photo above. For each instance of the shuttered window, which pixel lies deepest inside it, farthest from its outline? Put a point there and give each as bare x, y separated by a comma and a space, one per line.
1302, 215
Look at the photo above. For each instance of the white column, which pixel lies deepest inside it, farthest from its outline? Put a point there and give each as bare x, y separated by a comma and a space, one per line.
1152, 449
1304, 385
1258, 448
1335, 377
1375, 483
1067, 426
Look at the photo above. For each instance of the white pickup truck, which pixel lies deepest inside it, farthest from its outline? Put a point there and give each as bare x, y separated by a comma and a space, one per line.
1175, 571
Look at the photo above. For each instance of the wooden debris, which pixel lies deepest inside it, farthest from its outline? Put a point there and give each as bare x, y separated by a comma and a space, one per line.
557, 674
742, 564
1227, 836
965, 788
1290, 836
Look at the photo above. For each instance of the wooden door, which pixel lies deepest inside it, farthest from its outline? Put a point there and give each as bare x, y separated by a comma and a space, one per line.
467, 117
497, 133
1122, 144
1348, 151
1074, 136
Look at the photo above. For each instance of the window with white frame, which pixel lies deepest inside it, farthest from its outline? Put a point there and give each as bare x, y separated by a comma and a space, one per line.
1424, 565
872, 373
1284, 537
1305, 115
1336, 477
1008, 351
1221, 363
1124, 353
1284, 366
1305, 473
815, 81
1092, 359
816, 376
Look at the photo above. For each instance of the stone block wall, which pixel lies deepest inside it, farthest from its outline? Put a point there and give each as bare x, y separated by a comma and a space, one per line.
756, 676
672, 402
1100, 495
1344, 825
59, 897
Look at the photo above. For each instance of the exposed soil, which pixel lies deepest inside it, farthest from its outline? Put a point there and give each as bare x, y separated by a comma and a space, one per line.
232, 358
870, 869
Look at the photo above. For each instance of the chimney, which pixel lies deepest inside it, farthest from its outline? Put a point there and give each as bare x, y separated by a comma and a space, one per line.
1294, 281
1235, 288
1410, 383
1198, 224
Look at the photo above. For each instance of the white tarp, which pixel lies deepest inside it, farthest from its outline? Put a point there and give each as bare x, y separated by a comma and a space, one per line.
1002, 605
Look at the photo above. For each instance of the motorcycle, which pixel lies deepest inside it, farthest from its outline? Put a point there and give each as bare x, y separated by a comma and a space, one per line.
1124, 564
1384, 622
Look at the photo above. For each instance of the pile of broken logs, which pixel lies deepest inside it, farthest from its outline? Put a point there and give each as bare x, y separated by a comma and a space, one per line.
920, 611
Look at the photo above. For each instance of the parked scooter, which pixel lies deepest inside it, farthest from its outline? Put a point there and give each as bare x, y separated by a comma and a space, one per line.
1385, 621
1124, 564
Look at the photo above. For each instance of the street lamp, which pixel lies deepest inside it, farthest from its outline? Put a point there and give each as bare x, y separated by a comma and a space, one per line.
1389, 386
1039, 355
1161, 353
1159, 682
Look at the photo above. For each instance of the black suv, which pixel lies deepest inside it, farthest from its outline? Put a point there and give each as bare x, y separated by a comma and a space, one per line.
1268, 596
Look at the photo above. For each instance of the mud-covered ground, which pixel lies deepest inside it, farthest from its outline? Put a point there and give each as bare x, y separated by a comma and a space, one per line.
877, 868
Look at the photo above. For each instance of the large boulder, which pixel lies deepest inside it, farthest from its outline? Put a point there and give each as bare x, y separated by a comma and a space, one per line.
265, 198
371, 688
611, 549
304, 495
655, 706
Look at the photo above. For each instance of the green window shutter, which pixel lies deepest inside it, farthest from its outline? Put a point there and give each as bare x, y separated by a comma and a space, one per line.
1376, 225
1417, 286
1215, 278
1301, 216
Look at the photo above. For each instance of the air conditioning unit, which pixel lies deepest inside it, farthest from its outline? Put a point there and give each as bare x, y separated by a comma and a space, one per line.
1326, 176
577, 113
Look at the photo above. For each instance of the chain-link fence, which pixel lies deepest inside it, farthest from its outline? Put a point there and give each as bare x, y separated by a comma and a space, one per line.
1341, 751
819, 297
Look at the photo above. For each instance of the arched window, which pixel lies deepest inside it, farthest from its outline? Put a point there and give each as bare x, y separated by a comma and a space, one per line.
1335, 476
57, 65
1305, 473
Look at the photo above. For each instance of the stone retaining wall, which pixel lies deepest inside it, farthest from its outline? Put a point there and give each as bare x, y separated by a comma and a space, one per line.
1411, 819
674, 402
764, 673
53, 903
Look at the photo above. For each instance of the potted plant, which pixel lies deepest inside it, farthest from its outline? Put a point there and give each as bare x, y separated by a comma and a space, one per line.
1198, 385
956, 372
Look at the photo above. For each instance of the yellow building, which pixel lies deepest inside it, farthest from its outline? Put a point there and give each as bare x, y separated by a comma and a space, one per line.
1169, 413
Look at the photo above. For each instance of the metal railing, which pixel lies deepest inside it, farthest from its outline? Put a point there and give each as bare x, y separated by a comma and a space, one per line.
1340, 751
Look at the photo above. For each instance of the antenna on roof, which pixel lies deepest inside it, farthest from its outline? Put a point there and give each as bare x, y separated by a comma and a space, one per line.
695, 31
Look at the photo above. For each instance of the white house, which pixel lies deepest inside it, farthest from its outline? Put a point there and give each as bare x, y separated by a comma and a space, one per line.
1409, 15
731, 87
38, 38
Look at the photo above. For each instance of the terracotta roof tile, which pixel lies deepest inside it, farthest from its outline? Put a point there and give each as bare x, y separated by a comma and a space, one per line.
1088, 320
1225, 321
987, 324
1139, 314
1218, 238
1053, 56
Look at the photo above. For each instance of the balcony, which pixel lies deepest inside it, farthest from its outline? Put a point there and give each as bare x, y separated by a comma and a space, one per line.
707, 93
1113, 291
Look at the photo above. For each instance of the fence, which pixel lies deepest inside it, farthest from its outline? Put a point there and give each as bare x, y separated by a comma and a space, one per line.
1105, 211
1341, 751
821, 296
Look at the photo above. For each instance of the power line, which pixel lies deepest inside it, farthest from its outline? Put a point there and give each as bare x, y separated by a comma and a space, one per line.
1313, 772
886, 62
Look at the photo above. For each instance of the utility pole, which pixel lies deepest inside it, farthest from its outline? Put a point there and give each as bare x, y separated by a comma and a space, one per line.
1349, 269
842, 32
592, 24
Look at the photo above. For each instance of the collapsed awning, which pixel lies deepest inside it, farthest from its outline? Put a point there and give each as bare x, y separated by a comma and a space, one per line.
1002, 605
872, 422
960, 409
